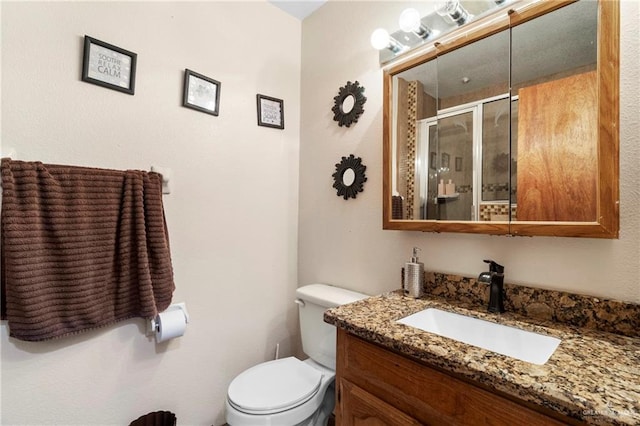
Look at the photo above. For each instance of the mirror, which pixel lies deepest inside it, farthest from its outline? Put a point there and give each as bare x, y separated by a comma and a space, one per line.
349, 177
348, 105
508, 127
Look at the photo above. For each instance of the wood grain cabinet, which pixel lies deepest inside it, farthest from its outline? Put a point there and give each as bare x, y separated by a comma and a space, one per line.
378, 387
361, 408
557, 155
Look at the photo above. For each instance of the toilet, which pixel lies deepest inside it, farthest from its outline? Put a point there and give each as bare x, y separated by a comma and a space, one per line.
288, 391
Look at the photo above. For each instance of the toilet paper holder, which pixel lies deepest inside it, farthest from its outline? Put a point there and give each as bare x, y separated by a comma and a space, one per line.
153, 326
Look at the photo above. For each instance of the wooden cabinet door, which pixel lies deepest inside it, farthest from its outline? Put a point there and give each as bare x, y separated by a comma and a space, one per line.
557, 150
385, 388
356, 407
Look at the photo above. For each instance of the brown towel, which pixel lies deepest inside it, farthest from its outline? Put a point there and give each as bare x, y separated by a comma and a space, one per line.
396, 207
81, 248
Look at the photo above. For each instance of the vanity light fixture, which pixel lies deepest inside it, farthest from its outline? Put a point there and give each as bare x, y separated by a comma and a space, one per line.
410, 22
380, 39
452, 11
416, 30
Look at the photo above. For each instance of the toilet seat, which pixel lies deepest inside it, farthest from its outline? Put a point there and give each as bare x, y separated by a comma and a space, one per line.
274, 386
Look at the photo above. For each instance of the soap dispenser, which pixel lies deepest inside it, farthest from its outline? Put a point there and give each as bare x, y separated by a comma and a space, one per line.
413, 276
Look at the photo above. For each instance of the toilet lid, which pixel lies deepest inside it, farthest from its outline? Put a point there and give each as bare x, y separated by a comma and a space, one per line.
274, 386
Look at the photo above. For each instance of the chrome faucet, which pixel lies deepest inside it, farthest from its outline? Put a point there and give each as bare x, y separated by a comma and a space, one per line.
495, 279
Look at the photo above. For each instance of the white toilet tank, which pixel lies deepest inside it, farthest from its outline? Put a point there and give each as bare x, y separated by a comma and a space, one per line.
318, 337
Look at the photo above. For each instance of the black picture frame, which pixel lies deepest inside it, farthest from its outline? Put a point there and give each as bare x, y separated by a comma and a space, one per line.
458, 164
270, 111
201, 93
109, 66
445, 161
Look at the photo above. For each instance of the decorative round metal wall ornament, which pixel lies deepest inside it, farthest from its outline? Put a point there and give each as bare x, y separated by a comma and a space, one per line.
349, 177
348, 105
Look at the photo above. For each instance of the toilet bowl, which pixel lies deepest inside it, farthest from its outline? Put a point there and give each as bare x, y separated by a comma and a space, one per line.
288, 391
284, 392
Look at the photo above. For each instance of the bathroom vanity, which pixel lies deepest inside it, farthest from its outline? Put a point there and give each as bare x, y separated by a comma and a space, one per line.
391, 373
401, 391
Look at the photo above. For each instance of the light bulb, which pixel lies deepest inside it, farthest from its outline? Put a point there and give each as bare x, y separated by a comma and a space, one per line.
446, 7
409, 20
380, 39
453, 12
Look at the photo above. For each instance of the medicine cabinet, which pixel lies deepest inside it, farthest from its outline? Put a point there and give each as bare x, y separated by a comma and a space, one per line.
509, 126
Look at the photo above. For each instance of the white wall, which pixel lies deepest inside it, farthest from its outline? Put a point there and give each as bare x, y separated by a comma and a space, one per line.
342, 242
232, 215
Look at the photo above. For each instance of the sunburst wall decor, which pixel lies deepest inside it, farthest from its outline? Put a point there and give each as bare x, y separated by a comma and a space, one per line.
349, 177
345, 113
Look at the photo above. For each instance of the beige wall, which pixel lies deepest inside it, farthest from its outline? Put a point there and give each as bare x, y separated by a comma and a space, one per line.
232, 215
342, 242
234, 211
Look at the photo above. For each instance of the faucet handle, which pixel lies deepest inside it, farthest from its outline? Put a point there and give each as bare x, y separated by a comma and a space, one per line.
494, 267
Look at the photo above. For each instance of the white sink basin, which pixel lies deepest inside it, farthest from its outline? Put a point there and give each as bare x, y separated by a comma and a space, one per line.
510, 341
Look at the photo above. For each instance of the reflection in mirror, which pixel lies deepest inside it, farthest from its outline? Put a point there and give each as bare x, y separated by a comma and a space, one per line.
495, 156
556, 85
439, 131
498, 172
414, 169
509, 127
347, 104
472, 79
348, 177
455, 188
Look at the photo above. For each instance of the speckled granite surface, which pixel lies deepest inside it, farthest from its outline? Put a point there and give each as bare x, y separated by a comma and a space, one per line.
572, 309
593, 376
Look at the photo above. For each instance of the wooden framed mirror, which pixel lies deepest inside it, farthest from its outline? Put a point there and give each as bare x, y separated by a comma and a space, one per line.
509, 126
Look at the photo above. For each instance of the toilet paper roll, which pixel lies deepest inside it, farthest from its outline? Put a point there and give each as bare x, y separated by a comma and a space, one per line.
171, 324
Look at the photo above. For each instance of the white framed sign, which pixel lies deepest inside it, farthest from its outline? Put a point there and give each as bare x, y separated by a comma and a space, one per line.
109, 66
270, 111
201, 93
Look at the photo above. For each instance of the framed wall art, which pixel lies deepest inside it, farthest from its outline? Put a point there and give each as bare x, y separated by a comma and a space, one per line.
201, 93
108, 66
445, 161
270, 111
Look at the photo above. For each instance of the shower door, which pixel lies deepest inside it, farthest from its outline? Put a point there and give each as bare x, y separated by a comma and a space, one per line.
467, 151
456, 141
446, 156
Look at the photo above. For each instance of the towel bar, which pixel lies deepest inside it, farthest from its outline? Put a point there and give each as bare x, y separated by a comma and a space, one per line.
7, 153
167, 174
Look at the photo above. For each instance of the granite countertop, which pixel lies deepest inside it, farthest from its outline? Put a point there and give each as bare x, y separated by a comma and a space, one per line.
593, 376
